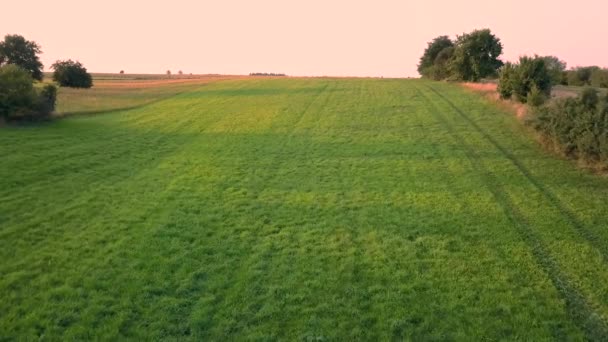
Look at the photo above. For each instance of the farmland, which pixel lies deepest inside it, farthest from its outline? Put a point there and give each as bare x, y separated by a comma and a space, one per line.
290, 209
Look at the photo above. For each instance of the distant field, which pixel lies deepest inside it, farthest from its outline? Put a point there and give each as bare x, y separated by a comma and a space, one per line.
296, 209
112, 92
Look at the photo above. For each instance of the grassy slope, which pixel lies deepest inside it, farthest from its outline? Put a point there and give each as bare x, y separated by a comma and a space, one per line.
353, 209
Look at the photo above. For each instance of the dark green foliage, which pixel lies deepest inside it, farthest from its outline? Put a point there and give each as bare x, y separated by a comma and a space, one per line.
506, 78
518, 80
441, 67
47, 98
433, 50
472, 57
17, 50
590, 98
19, 100
16, 91
535, 97
71, 74
577, 126
476, 56
556, 68
599, 78
581, 76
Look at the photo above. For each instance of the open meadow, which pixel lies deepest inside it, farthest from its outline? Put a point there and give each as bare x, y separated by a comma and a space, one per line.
295, 209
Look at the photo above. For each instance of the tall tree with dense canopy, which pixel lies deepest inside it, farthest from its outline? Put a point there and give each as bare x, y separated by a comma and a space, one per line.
476, 56
434, 48
24, 53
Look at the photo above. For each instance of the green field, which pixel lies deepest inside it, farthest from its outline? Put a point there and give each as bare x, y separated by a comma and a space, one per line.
299, 209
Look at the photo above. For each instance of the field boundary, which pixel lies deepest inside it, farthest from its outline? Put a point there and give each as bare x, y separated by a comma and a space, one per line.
588, 235
578, 309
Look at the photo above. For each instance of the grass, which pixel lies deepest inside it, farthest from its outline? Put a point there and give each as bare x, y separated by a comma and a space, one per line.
299, 209
109, 94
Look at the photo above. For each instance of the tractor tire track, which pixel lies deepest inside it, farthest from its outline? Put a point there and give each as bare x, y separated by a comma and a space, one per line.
579, 310
587, 234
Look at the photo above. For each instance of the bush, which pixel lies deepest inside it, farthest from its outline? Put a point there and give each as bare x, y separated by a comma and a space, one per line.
576, 126
18, 98
47, 98
599, 78
556, 68
535, 97
506, 77
71, 74
520, 80
581, 76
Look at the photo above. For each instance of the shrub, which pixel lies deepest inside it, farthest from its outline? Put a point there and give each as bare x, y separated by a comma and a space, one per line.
581, 76
521, 79
17, 93
556, 68
506, 77
576, 126
599, 78
589, 98
535, 97
71, 74
47, 98
18, 98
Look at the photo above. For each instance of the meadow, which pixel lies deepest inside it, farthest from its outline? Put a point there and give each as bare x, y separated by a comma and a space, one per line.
298, 209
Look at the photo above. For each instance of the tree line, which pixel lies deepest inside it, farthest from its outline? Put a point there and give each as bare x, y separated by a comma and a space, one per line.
265, 74
21, 69
577, 127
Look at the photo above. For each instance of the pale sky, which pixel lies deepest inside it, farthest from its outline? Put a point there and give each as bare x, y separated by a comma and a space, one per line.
306, 37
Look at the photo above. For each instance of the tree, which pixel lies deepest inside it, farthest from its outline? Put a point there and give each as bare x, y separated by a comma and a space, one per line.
71, 74
169, 73
433, 50
556, 68
18, 97
441, 67
17, 50
476, 56
180, 72
122, 72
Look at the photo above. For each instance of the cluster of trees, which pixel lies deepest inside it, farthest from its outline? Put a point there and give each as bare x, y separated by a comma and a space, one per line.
20, 69
19, 99
20, 66
578, 127
586, 76
531, 79
471, 57
265, 74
